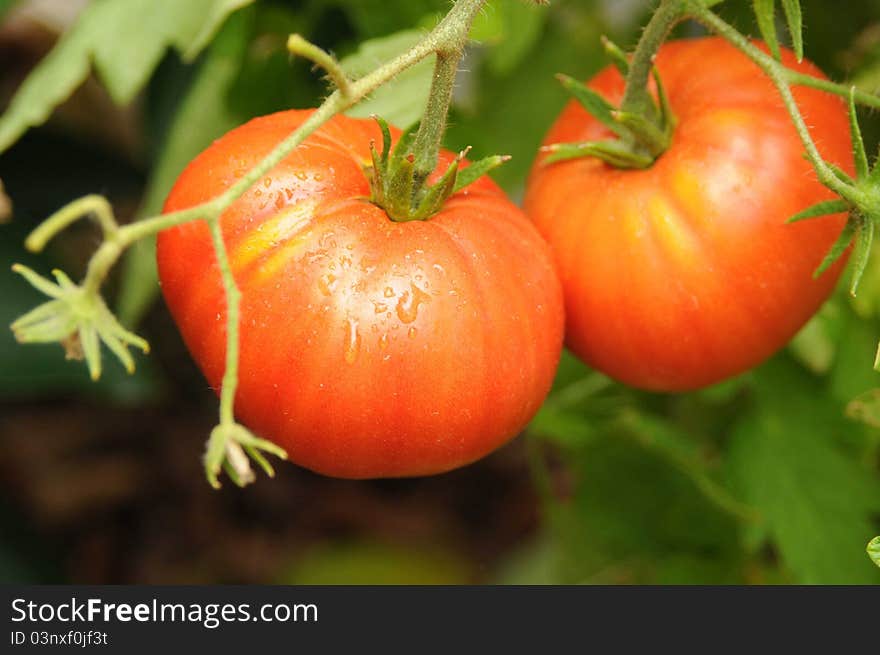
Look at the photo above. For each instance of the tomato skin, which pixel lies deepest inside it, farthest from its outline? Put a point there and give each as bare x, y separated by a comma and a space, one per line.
369, 348
686, 273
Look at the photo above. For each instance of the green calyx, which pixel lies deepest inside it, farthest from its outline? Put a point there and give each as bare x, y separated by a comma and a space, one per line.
76, 317
640, 137
402, 192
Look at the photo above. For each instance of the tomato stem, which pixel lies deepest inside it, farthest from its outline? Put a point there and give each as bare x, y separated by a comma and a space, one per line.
426, 146
451, 34
297, 45
636, 97
233, 304
398, 179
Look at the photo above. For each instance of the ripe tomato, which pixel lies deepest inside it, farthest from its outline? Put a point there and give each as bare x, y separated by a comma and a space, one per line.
369, 348
686, 273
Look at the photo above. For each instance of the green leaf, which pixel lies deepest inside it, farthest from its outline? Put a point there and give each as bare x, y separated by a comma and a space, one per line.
376, 18
487, 28
815, 345
792, 9
851, 374
874, 550
401, 101
217, 13
565, 427
203, 115
765, 13
521, 27
633, 508
124, 40
682, 451
817, 502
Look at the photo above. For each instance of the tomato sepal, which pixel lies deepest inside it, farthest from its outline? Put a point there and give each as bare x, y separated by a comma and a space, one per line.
823, 208
78, 319
611, 152
397, 187
641, 137
229, 447
616, 54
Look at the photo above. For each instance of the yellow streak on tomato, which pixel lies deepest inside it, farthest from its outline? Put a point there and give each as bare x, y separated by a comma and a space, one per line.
272, 233
675, 237
686, 188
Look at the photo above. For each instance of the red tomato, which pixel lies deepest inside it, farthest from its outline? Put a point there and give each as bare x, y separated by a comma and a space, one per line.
686, 273
369, 348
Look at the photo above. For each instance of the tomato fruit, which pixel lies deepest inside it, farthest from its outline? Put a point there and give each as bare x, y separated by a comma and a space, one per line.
369, 348
686, 273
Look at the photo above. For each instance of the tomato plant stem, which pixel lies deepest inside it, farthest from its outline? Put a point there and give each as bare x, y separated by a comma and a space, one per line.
296, 44
861, 97
233, 303
426, 146
636, 97
454, 29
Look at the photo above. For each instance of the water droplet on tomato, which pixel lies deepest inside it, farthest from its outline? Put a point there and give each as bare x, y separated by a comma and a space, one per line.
379, 307
408, 305
300, 175
389, 292
352, 341
383, 341
327, 283
267, 182
412, 333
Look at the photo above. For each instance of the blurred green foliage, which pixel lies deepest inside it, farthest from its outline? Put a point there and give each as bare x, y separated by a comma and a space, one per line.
764, 479
347, 563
